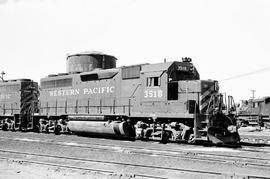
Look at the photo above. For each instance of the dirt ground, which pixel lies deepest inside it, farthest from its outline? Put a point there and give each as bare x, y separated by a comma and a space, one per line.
16, 169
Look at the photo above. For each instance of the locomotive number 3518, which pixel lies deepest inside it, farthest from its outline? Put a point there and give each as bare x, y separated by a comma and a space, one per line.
152, 93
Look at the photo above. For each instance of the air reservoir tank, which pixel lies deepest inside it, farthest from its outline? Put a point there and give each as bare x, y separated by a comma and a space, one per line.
95, 126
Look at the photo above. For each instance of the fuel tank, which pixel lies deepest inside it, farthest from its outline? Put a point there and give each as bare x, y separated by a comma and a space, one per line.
102, 128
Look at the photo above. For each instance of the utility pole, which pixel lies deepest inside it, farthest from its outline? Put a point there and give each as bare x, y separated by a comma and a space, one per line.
2, 75
253, 91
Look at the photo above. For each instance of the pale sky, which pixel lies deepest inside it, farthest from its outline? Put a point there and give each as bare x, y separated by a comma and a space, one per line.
224, 38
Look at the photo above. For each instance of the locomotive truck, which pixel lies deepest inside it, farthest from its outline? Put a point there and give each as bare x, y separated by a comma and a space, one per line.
165, 101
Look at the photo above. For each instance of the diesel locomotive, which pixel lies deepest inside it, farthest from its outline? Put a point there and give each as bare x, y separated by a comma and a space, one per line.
255, 112
18, 100
165, 101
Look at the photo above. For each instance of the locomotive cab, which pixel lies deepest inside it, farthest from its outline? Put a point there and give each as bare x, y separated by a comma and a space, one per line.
173, 95
178, 72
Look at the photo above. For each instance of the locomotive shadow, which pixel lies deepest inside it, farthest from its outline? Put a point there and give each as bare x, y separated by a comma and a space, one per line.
255, 144
197, 143
123, 138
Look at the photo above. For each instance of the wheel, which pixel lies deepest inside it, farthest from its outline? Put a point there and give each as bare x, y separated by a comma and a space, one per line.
191, 139
57, 129
4, 127
165, 136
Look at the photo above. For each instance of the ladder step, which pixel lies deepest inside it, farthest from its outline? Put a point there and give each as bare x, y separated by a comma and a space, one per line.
203, 130
204, 121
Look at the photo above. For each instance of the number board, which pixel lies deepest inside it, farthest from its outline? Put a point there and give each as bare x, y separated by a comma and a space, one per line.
183, 68
153, 93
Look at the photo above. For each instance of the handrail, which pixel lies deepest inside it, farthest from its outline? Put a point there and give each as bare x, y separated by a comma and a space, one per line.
135, 90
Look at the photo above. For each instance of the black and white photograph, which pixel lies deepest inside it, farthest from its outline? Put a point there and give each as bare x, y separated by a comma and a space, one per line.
134, 89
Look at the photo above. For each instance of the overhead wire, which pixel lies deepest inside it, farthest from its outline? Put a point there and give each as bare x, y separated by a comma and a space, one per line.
247, 74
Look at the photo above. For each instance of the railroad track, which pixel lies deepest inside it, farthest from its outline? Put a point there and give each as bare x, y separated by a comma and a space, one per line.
149, 150
108, 167
194, 155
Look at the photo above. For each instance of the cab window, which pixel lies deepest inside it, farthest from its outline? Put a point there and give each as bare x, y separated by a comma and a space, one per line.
152, 81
